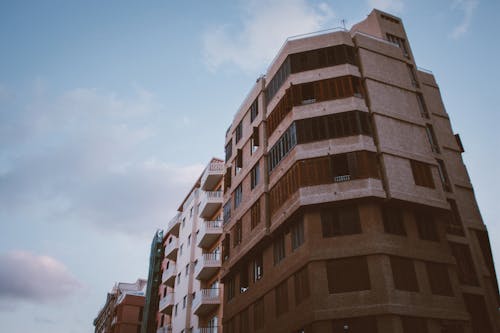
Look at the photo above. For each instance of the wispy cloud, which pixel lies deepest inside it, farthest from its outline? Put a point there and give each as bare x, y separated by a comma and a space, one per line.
392, 6
37, 278
467, 7
251, 46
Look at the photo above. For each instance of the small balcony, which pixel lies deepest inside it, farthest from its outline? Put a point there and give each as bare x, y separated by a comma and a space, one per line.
211, 201
174, 224
166, 304
165, 329
213, 329
212, 175
210, 231
168, 276
206, 301
208, 265
171, 248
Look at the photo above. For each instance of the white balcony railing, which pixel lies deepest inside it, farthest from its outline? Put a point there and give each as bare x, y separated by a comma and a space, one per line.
213, 173
209, 233
340, 179
206, 300
173, 222
166, 301
210, 202
207, 265
214, 329
171, 271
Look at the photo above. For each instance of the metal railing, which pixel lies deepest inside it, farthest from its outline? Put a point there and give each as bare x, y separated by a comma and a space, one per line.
170, 271
173, 221
212, 329
340, 179
174, 243
166, 301
207, 225
211, 296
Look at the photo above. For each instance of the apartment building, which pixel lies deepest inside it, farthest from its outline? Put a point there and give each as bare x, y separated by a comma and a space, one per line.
122, 312
347, 205
190, 293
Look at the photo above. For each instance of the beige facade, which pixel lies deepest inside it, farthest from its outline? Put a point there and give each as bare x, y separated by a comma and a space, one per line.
347, 206
191, 294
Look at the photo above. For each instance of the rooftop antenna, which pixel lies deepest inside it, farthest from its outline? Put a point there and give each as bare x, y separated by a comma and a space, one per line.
343, 23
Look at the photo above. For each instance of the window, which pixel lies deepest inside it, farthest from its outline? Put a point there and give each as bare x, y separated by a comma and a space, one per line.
237, 233
227, 211
400, 42
229, 150
281, 298
347, 274
191, 212
178, 278
421, 106
254, 141
439, 279
244, 278
244, 322
175, 309
414, 324
226, 248
183, 222
443, 175
258, 267
239, 161
184, 301
254, 110
187, 270
403, 274
413, 76
484, 244
189, 240
279, 248
451, 326
254, 176
355, 325
282, 147
227, 179
393, 220
258, 314
454, 222
297, 233
431, 136
180, 249
426, 226
340, 221
238, 196
301, 283
238, 133
465, 266
422, 174
480, 320
230, 288
255, 214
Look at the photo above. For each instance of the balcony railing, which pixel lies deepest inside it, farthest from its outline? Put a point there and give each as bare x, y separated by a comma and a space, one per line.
340, 179
209, 233
207, 266
166, 303
212, 175
210, 203
213, 329
171, 248
168, 276
206, 300
173, 225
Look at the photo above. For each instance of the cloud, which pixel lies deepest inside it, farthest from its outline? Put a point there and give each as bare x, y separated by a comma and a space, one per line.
37, 278
254, 44
392, 6
90, 157
467, 7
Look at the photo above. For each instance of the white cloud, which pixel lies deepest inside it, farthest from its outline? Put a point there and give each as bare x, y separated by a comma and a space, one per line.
38, 278
265, 27
467, 7
391, 6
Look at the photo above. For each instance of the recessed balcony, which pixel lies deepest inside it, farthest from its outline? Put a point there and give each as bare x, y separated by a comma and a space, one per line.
213, 329
210, 231
174, 224
168, 276
211, 202
171, 248
207, 266
206, 301
212, 175
166, 304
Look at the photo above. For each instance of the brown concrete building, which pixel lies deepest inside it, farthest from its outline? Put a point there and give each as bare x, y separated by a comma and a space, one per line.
347, 206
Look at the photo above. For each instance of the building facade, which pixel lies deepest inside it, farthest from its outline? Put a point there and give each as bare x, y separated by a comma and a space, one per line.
347, 206
191, 293
122, 312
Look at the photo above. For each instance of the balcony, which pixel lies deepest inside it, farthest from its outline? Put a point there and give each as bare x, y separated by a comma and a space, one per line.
166, 304
165, 329
214, 329
208, 265
168, 276
211, 201
209, 233
174, 224
171, 248
212, 175
206, 301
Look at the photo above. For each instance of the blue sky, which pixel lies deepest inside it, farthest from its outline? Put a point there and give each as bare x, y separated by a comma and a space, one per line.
110, 110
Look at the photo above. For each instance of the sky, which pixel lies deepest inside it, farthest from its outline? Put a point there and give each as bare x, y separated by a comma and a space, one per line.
109, 111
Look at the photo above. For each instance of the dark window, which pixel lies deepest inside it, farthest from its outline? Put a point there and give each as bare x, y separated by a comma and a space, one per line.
281, 298
347, 274
238, 196
480, 320
238, 132
484, 244
400, 42
279, 248
227, 212
393, 220
453, 221
227, 180
443, 175
255, 214
465, 266
239, 161
426, 226
244, 278
301, 282
229, 150
254, 176
414, 324
403, 274
258, 267
230, 292
355, 325
297, 233
226, 248
255, 141
258, 314
282, 147
254, 110
244, 322
431, 136
340, 221
237, 233
413, 76
421, 106
439, 279
422, 174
